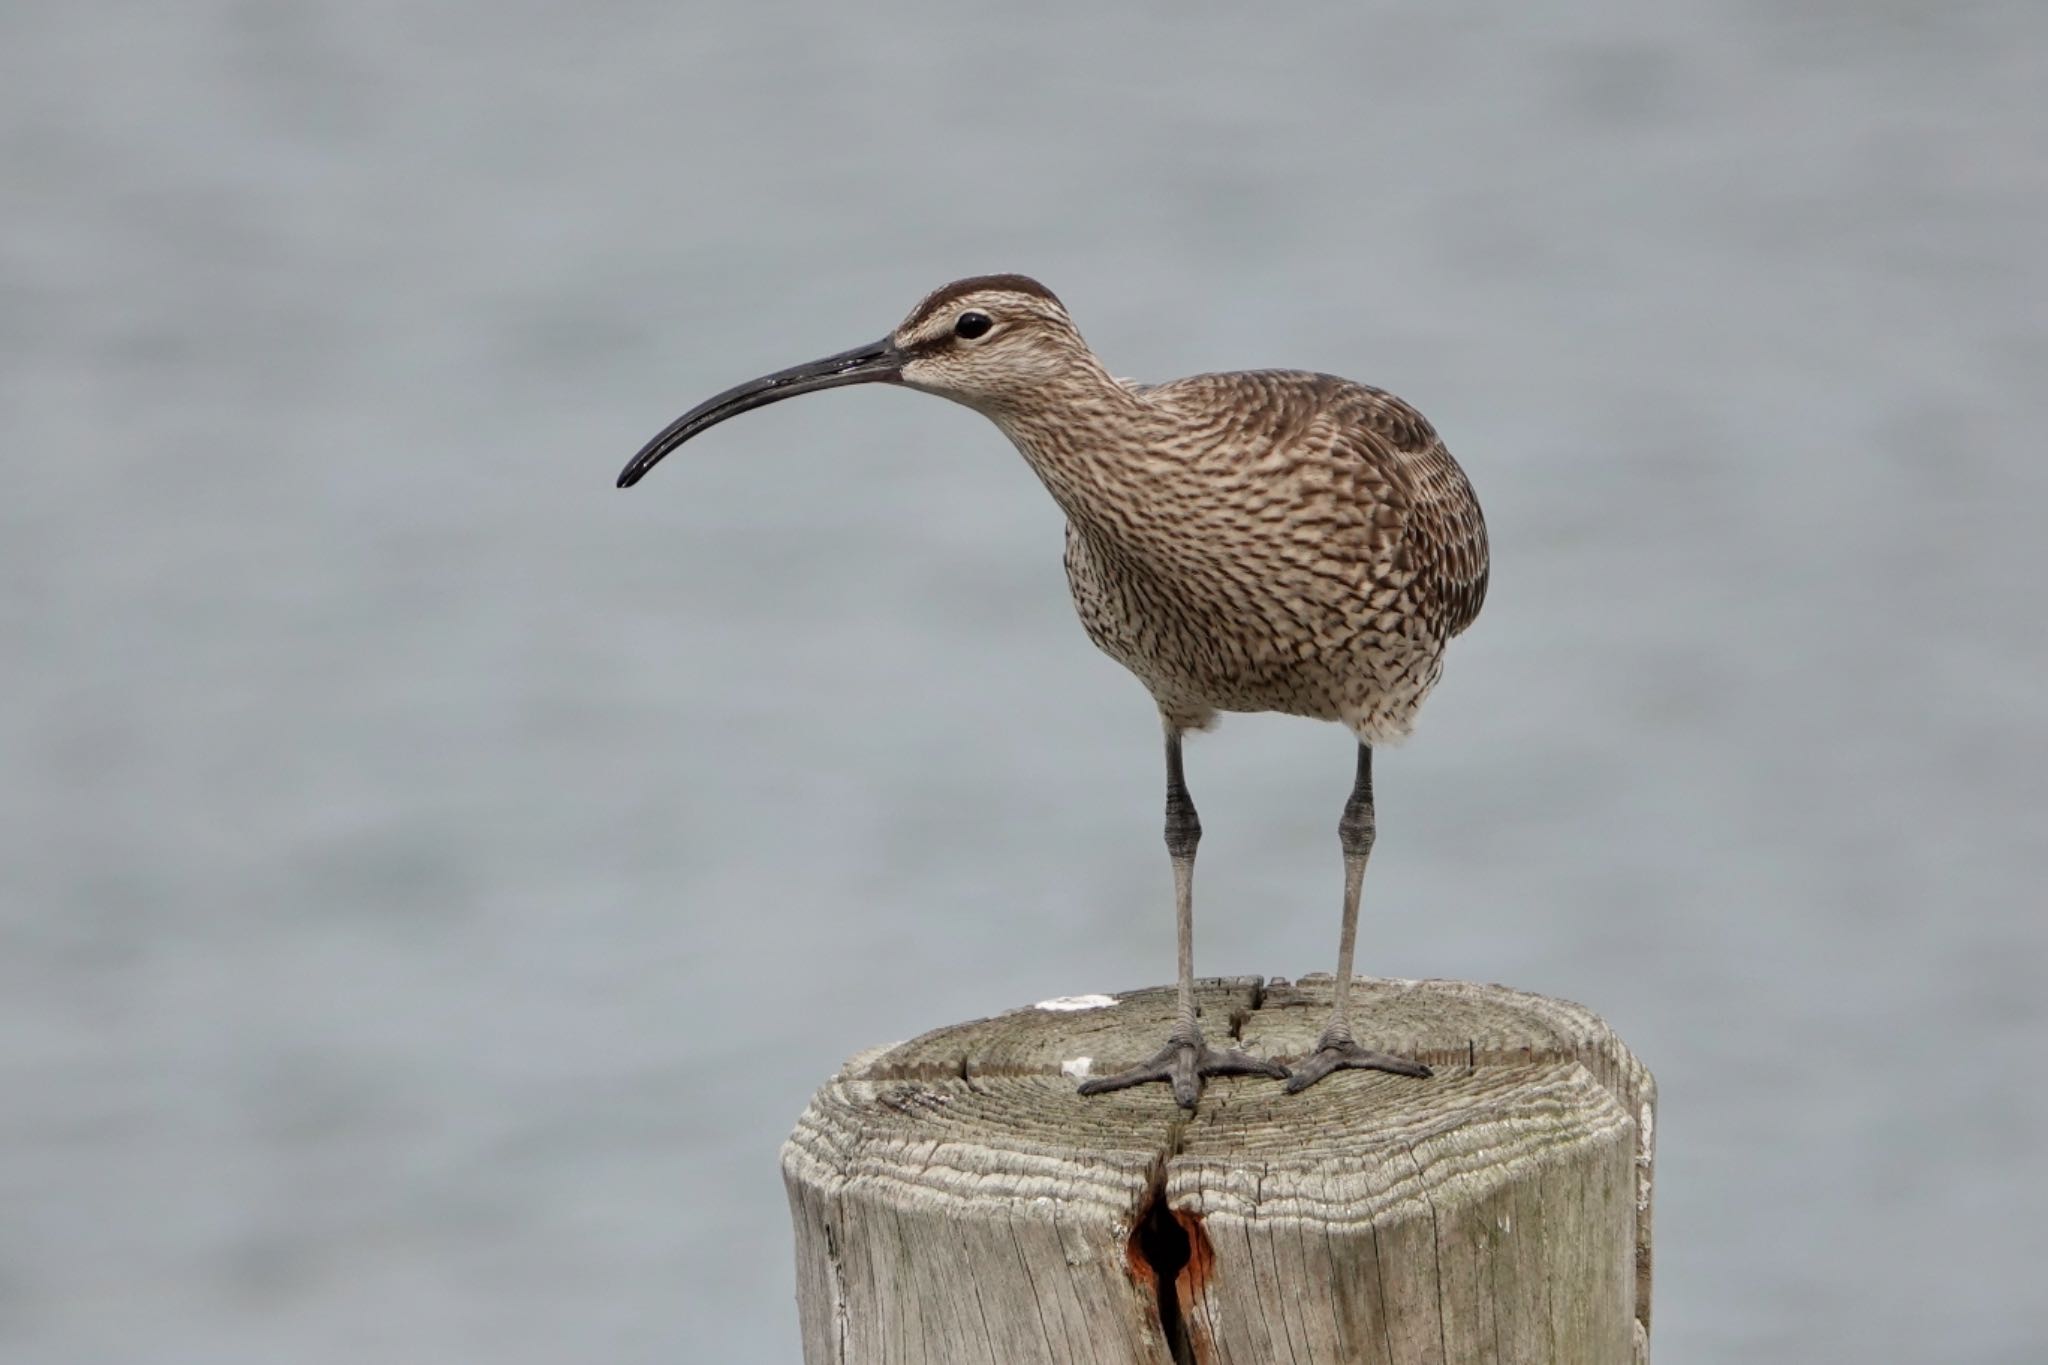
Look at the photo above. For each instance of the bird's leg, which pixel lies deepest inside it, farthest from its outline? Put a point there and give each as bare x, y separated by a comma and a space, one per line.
1186, 1059
1337, 1049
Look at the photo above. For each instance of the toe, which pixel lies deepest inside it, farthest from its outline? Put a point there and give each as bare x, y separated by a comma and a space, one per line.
1305, 1076
1186, 1074
1350, 1056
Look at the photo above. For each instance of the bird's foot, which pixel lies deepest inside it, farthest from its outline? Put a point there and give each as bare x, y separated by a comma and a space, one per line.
1183, 1064
1336, 1051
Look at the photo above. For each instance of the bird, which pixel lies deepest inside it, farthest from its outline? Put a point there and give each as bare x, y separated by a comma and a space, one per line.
1252, 541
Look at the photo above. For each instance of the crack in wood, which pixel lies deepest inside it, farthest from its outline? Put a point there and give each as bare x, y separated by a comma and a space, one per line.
1163, 1247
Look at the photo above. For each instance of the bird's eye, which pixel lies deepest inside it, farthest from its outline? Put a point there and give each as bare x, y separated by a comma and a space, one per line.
971, 325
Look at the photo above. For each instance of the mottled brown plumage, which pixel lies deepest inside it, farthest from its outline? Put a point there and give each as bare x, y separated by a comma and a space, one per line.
1270, 540
1278, 541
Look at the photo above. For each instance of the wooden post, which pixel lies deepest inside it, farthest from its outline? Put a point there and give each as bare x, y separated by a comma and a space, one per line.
956, 1202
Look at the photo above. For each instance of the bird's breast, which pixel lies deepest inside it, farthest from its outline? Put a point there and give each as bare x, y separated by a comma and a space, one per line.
1225, 628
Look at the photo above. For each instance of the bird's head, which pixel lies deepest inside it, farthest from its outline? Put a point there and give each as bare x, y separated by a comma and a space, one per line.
988, 342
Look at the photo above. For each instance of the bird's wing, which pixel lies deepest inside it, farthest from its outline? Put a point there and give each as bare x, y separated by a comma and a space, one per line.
1441, 538
1422, 521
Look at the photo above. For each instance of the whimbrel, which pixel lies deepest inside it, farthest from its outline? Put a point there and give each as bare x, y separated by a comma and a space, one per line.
1270, 540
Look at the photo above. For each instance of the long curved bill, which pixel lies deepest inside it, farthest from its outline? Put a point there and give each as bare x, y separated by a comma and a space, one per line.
878, 361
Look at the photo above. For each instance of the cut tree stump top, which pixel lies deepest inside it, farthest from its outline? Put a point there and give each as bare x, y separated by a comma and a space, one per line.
1395, 1199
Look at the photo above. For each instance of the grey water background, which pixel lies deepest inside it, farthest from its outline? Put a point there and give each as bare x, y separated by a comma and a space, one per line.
434, 881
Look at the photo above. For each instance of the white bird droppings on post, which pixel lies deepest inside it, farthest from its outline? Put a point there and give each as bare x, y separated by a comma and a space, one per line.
1077, 1002
1077, 1067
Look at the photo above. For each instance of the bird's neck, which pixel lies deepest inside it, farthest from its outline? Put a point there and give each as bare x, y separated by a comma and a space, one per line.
1089, 439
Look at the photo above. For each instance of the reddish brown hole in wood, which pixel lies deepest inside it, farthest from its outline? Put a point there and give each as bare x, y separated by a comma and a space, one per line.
1170, 1256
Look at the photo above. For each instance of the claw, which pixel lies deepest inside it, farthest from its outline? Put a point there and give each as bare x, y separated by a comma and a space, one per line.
1341, 1054
1182, 1064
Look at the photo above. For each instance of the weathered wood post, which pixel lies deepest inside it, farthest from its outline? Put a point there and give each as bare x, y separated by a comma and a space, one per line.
955, 1201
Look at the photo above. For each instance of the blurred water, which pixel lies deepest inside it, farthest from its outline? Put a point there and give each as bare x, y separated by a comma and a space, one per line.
434, 881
